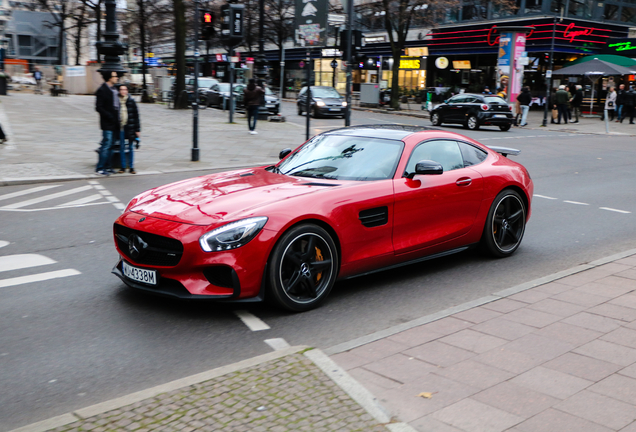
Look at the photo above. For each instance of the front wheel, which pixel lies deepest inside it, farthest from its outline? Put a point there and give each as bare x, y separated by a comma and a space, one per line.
300, 110
302, 268
435, 119
505, 224
504, 128
472, 123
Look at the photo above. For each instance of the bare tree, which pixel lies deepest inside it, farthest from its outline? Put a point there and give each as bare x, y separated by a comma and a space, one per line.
60, 11
96, 11
179, 51
80, 19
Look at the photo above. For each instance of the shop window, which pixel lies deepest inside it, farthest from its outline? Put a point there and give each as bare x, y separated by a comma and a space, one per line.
557, 6
503, 9
628, 14
476, 11
533, 6
611, 12
580, 8
25, 44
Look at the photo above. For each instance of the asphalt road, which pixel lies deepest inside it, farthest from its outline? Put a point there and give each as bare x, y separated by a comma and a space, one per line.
84, 338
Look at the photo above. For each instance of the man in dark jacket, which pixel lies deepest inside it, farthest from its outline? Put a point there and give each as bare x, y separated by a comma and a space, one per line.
577, 99
107, 105
524, 98
620, 101
629, 100
561, 98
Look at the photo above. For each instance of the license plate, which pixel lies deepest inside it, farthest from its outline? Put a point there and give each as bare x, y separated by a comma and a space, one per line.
334, 109
499, 116
271, 106
140, 275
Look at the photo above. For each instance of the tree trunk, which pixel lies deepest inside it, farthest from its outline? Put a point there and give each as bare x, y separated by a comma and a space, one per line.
180, 48
142, 35
395, 80
60, 45
98, 21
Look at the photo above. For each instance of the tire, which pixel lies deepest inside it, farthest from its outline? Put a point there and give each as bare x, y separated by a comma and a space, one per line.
302, 268
472, 123
435, 119
505, 225
505, 128
314, 113
299, 109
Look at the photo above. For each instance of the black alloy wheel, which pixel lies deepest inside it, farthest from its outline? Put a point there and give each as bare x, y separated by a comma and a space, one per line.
472, 123
505, 128
505, 224
300, 110
303, 268
435, 119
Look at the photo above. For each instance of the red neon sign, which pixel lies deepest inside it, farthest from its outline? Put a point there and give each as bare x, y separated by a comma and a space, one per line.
572, 34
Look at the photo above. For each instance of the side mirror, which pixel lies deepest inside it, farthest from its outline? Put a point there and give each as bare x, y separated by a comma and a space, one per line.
283, 153
425, 167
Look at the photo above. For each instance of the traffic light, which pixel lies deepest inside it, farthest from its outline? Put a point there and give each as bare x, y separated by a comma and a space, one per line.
207, 25
232, 22
356, 42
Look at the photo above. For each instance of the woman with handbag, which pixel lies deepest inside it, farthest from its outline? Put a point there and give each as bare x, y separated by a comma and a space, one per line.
610, 103
130, 129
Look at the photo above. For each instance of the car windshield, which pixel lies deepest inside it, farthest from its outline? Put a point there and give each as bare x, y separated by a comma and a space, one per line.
338, 157
207, 83
324, 92
224, 87
268, 91
495, 99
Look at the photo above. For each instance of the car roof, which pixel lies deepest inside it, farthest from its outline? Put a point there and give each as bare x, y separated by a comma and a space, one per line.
386, 131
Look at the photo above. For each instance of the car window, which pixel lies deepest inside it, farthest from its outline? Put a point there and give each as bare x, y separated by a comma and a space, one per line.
325, 92
224, 87
215, 87
338, 157
456, 99
472, 99
472, 155
444, 152
495, 99
302, 91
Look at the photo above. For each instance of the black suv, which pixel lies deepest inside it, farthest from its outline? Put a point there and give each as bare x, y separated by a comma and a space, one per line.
474, 110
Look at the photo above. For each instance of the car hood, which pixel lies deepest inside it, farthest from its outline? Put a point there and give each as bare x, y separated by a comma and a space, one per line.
222, 197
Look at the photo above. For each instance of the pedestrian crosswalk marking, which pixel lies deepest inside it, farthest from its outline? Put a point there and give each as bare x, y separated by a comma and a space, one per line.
39, 277
26, 192
4, 243
46, 198
85, 200
22, 261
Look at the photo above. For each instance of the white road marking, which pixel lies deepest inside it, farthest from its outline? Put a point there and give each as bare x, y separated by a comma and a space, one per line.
22, 261
3, 243
543, 196
575, 202
26, 192
38, 277
252, 322
86, 200
53, 208
615, 210
109, 196
277, 344
47, 198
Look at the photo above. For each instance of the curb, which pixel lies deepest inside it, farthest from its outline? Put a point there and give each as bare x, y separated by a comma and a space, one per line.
373, 337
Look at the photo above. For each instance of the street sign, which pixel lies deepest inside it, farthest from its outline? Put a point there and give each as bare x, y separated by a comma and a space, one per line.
301, 64
548, 74
334, 64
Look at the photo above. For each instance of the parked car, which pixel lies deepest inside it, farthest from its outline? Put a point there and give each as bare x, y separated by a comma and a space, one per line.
348, 202
271, 101
325, 101
218, 94
202, 83
473, 111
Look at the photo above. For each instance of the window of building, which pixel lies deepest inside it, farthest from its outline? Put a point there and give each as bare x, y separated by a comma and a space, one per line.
580, 8
557, 6
611, 12
25, 44
533, 6
628, 14
475, 11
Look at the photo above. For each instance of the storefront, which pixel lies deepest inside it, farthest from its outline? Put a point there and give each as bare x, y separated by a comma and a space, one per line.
470, 51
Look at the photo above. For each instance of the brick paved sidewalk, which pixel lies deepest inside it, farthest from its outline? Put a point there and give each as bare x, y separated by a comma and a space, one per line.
557, 357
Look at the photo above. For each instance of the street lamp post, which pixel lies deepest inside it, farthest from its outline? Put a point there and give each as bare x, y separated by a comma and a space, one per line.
260, 61
110, 47
548, 77
195, 102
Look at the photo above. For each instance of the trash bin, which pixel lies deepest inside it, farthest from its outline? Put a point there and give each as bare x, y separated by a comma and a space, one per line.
3, 84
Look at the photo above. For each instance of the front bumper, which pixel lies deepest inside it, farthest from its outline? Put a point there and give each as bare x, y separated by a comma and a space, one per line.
232, 274
331, 110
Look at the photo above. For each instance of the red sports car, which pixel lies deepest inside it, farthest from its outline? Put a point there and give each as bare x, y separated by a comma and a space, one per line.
347, 202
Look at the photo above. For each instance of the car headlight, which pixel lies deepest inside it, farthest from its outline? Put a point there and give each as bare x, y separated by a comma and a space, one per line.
232, 235
320, 103
344, 104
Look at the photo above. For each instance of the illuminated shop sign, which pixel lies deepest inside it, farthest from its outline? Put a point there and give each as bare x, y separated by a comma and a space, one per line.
621, 46
408, 63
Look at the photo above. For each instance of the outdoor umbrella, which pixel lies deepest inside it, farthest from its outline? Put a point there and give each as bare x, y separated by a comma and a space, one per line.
594, 69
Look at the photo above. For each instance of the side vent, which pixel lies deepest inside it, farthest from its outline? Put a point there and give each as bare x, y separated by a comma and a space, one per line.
374, 217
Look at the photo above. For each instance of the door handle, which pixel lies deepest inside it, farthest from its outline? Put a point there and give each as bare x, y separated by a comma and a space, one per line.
464, 181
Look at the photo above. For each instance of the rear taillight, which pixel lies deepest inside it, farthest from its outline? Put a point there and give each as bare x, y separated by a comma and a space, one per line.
485, 107
510, 107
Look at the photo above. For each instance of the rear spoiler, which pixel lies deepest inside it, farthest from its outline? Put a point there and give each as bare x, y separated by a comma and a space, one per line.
505, 150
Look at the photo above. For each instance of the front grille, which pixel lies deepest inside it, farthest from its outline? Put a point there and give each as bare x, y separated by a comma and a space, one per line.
222, 276
161, 251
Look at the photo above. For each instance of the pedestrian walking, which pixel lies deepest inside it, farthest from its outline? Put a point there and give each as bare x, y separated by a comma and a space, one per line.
561, 98
252, 96
107, 105
610, 103
3, 137
130, 128
486, 91
629, 99
577, 99
620, 102
37, 75
524, 98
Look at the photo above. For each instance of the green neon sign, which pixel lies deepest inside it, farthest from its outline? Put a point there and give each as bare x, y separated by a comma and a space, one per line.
622, 46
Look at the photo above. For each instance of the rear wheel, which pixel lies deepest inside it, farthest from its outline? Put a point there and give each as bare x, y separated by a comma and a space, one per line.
505, 224
303, 268
300, 110
435, 119
472, 123
504, 127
